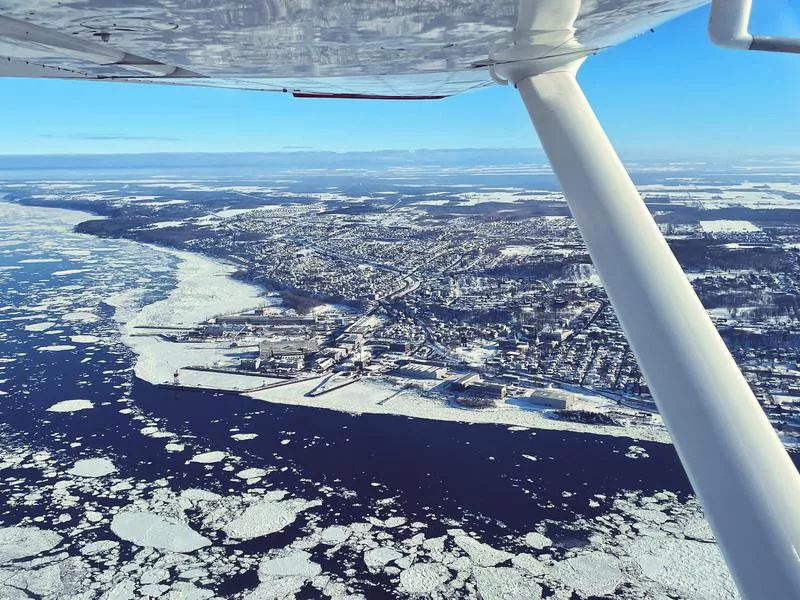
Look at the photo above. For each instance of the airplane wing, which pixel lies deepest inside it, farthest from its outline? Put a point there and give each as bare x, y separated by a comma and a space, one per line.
311, 48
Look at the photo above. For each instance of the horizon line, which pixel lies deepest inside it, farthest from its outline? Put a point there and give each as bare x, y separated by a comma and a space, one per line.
649, 154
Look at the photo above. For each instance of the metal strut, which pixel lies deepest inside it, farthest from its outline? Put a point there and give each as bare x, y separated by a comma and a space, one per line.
728, 27
738, 467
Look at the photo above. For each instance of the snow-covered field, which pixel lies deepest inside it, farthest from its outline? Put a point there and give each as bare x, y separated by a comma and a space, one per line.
751, 195
727, 226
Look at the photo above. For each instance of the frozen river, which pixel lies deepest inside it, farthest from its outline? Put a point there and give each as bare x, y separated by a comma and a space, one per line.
114, 488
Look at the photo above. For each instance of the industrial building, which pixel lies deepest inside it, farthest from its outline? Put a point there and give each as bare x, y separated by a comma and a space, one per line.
391, 345
268, 349
463, 382
553, 398
486, 389
473, 385
261, 319
420, 371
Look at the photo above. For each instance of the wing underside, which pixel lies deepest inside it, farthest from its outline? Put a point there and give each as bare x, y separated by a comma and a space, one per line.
324, 48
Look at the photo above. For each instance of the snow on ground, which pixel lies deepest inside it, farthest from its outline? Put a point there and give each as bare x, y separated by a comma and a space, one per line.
204, 290
747, 194
514, 251
221, 381
476, 355
432, 202
235, 212
728, 226
66, 406
161, 203
166, 224
366, 395
475, 198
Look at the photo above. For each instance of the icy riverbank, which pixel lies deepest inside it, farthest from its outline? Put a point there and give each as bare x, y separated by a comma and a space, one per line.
370, 396
205, 288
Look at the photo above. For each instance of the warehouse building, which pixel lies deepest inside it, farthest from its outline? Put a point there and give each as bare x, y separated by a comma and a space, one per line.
420, 371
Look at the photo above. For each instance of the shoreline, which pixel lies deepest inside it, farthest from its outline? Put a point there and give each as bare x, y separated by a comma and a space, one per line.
205, 288
368, 396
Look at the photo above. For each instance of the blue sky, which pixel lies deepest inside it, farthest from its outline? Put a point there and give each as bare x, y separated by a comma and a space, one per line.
670, 93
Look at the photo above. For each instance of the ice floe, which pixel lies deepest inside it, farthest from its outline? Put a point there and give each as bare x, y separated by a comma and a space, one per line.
56, 348
505, 583
422, 579
482, 554
214, 456
265, 517
335, 535
251, 473
693, 569
92, 467
21, 542
536, 540
379, 557
591, 574
68, 406
154, 531
84, 339
44, 325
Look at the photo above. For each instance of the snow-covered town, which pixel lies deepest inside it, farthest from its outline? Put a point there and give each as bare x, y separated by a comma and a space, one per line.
454, 296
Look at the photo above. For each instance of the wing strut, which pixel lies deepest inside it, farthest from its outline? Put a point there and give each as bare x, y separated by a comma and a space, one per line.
738, 467
728, 27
